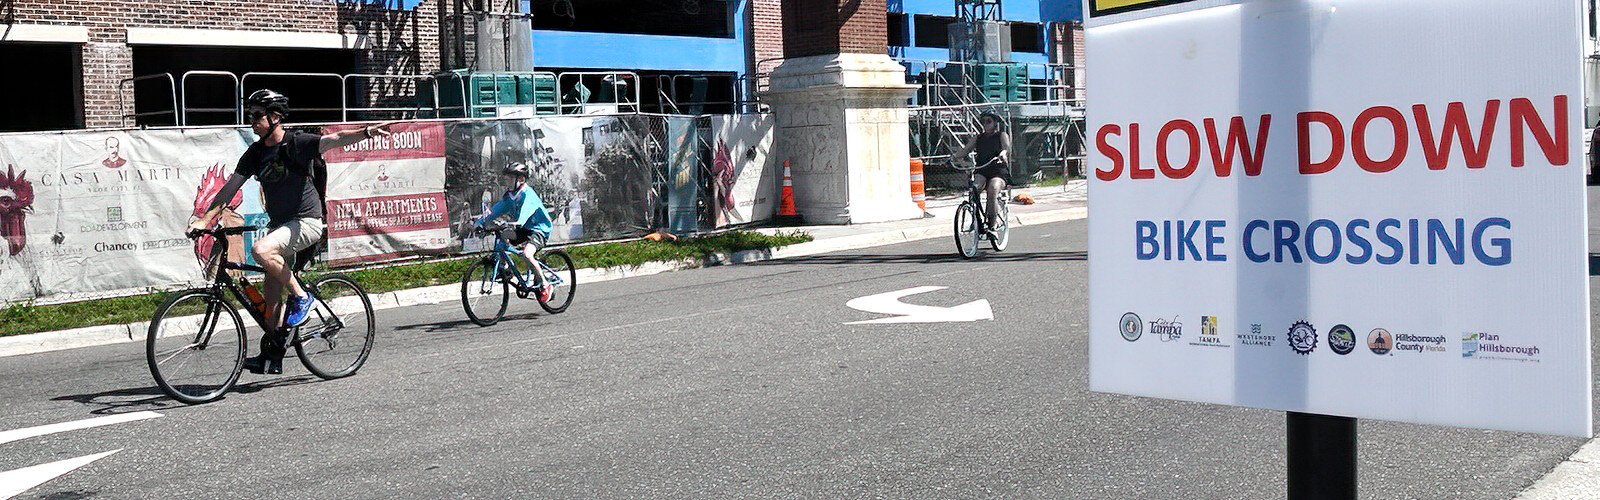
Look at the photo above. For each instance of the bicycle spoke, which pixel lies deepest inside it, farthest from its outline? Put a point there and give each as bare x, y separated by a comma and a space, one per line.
174, 353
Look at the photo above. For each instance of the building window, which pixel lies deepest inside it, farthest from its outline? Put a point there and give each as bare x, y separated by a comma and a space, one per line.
898, 35
933, 31
1026, 37
700, 18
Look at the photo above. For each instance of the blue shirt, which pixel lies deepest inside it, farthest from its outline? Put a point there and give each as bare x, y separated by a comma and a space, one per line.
529, 208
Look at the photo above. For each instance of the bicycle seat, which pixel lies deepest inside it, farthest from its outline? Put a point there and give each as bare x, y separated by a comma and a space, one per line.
305, 258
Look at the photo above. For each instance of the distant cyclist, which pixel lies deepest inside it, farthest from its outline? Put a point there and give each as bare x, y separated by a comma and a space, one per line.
532, 229
292, 173
993, 145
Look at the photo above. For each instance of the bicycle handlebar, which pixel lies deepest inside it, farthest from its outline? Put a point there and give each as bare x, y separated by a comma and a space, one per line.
971, 158
220, 232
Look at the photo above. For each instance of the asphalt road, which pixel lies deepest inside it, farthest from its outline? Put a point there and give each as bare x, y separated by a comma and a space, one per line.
739, 381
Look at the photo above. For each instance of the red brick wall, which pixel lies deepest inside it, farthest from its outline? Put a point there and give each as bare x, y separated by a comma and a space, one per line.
766, 34
816, 27
401, 42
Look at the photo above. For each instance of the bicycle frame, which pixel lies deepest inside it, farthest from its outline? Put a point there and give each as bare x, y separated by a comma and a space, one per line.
502, 258
225, 280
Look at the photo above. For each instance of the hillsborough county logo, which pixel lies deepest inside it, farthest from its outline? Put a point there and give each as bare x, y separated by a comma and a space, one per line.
1479, 345
1131, 326
1380, 341
1419, 343
1341, 339
1302, 337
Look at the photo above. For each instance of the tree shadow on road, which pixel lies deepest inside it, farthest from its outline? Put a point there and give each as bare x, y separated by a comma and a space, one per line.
930, 258
151, 398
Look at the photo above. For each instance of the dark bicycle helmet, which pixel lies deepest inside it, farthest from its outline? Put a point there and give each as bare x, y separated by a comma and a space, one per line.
269, 100
517, 168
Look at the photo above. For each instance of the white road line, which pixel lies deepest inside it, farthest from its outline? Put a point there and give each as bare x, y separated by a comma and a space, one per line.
14, 482
19, 434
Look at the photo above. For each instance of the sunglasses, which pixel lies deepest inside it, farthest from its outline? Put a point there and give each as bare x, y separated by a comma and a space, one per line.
256, 114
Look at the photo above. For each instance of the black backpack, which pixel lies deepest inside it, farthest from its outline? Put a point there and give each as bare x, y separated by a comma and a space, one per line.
319, 179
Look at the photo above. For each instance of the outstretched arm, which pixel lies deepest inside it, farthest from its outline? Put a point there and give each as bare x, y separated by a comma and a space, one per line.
347, 137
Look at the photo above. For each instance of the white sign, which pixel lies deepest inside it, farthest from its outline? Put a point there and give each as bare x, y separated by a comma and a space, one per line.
1363, 208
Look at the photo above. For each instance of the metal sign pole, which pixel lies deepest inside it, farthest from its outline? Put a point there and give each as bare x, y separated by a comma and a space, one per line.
1322, 457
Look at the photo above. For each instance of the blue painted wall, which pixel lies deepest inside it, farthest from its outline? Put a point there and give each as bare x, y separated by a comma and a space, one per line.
571, 49
1028, 11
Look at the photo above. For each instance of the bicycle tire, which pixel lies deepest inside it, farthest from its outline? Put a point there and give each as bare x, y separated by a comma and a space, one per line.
476, 286
174, 313
966, 230
339, 297
1001, 230
560, 265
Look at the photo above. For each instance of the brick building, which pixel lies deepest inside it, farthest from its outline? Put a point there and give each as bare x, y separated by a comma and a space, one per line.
69, 62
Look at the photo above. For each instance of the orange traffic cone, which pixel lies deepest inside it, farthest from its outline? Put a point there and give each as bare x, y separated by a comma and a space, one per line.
919, 192
786, 210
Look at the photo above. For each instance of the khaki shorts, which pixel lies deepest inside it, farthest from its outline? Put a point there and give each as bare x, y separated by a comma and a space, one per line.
293, 236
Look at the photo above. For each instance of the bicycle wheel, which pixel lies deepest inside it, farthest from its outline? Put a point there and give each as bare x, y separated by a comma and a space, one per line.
559, 271
482, 295
195, 346
1002, 226
337, 338
966, 230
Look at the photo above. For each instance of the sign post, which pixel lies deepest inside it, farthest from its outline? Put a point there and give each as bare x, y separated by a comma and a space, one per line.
1341, 209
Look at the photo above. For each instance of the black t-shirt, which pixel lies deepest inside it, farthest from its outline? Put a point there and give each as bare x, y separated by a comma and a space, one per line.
285, 172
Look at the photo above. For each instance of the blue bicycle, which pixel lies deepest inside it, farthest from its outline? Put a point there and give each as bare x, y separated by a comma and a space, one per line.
488, 283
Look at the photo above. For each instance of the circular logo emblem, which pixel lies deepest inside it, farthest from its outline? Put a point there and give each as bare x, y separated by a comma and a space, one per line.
1302, 337
1380, 341
1342, 339
1132, 327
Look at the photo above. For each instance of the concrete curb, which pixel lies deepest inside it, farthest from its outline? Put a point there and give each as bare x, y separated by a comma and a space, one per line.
1577, 477
33, 343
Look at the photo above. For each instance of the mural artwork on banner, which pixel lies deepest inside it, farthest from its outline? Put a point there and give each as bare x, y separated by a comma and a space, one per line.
743, 179
479, 151
683, 174
617, 169
105, 212
386, 196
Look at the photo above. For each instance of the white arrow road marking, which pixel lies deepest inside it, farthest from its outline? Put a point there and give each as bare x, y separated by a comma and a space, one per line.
17, 481
9, 436
889, 303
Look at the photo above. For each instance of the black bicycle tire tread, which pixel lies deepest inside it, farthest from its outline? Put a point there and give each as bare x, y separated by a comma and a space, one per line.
150, 341
370, 336
505, 295
572, 272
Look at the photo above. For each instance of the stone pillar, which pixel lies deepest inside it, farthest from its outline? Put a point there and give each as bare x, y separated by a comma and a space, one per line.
840, 103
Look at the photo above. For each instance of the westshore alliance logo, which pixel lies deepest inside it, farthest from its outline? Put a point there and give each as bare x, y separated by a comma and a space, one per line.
1131, 326
1480, 345
1341, 339
1302, 337
1256, 338
1167, 330
1406, 342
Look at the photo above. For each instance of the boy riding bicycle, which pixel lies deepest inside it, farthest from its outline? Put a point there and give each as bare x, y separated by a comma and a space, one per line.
532, 222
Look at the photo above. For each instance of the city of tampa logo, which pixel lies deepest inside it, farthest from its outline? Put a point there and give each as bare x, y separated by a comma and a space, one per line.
1302, 337
1167, 330
1478, 345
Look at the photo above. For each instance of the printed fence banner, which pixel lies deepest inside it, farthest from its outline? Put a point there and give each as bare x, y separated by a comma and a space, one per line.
1361, 208
615, 185
99, 213
683, 174
744, 179
386, 195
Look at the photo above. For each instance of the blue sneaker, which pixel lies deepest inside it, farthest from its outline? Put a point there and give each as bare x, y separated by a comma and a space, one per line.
299, 309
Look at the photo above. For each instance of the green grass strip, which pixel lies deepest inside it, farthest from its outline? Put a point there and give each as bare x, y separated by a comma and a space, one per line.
22, 318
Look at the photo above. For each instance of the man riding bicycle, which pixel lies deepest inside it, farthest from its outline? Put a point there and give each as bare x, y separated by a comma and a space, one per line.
292, 173
532, 229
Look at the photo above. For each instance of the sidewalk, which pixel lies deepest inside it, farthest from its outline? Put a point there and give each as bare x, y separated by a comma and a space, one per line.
1054, 204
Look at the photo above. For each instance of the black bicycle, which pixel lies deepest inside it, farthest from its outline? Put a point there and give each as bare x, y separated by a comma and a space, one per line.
487, 284
972, 220
196, 343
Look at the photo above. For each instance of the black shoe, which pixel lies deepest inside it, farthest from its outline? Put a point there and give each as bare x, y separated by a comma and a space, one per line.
264, 365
